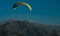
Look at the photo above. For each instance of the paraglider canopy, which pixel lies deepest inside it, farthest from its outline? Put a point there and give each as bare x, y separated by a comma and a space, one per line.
23, 3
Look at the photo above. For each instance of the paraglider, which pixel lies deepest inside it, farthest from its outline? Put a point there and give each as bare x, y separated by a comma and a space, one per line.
22, 3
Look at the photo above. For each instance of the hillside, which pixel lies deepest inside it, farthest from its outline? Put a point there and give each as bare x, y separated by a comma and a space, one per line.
27, 28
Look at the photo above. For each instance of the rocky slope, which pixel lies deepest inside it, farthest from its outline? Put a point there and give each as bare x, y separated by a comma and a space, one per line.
27, 28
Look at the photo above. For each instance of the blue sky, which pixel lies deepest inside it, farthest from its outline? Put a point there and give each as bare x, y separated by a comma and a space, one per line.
43, 11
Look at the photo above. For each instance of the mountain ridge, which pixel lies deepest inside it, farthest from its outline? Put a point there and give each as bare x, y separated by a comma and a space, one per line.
27, 28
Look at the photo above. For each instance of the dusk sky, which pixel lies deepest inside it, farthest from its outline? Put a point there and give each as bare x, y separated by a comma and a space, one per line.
43, 11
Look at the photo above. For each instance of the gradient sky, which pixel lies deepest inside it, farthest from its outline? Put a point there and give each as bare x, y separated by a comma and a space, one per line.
43, 11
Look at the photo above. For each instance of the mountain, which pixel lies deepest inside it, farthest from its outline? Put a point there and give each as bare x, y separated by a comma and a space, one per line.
27, 28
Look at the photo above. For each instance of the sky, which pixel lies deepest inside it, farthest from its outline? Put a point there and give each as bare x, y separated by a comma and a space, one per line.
43, 11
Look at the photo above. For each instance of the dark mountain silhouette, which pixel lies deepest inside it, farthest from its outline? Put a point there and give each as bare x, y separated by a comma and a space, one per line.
27, 28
